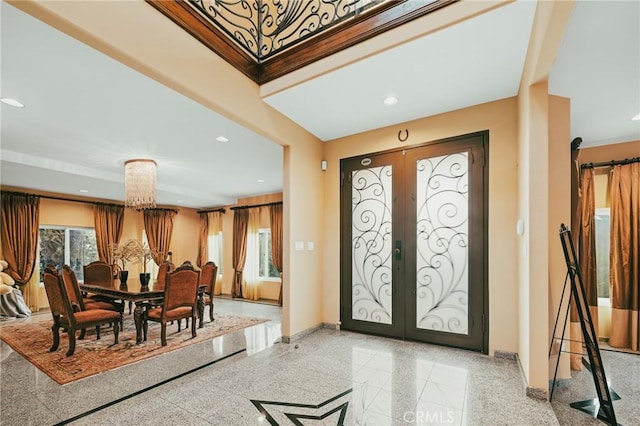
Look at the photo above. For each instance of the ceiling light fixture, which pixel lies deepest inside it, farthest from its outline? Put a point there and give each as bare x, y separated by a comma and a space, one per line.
140, 184
222, 139
636, 117
12, 102
84, 191
260, 180
390, 100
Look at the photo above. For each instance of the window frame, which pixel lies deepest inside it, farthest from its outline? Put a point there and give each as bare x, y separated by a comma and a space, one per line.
269, 260
67, 245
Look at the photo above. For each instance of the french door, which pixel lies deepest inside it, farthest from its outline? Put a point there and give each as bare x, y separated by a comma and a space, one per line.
414, 243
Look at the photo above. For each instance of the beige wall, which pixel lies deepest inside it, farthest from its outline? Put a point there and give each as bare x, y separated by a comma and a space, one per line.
559, 212
500, 118
535, 131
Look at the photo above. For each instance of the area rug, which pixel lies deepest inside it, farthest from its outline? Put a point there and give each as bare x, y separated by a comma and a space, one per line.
32, 339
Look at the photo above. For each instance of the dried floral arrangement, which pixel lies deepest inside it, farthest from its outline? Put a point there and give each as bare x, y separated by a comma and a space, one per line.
132, 251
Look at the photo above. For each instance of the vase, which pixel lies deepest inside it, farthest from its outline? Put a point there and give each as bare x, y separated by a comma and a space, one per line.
144, 280
124, 275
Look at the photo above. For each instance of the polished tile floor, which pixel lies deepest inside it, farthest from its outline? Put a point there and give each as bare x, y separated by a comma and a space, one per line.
329, 377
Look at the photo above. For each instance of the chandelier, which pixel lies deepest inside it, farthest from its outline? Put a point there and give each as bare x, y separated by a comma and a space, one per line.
140, 184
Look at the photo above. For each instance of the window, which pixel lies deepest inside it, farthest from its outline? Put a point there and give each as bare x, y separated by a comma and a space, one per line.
266, 269
602, 250
214, 249
60, 246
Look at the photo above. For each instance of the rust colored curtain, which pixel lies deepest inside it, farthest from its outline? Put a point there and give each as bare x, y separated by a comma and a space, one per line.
158, 224
275, 220
203, 237
587, 259
240, 229
20, 222
624, 255
108, 219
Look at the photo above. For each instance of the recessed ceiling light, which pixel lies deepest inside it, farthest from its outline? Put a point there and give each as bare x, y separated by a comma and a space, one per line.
260, 180
84, 191
636, 117
179, 201
222, 139
12, 102
390, 100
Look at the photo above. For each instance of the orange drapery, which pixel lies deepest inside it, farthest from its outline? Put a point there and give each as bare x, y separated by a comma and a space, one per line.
20, 222
275, 220
108, 220
624, 256
240, 224
158, 224
203, 236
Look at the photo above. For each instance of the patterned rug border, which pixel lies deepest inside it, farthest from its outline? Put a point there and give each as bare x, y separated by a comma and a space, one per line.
31, 338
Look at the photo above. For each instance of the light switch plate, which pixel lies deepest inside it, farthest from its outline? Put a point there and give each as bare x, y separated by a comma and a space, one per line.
311, 246
299, 245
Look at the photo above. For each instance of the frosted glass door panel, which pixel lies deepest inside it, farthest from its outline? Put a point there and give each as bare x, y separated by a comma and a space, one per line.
371, 244
442, 286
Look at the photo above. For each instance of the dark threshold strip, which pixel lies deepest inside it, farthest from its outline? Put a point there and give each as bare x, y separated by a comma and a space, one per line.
147, 389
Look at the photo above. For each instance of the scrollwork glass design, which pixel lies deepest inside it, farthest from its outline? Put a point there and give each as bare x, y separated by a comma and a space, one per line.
371, 193
265, 28
442, 288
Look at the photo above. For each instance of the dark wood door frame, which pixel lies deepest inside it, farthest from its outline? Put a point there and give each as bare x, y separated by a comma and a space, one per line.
481, 262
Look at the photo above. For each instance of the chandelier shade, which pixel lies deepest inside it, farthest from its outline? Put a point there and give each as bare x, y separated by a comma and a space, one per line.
140, 184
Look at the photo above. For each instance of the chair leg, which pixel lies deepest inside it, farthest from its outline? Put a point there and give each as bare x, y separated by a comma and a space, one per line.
55, 331
72, 341
98, 331
163, 333
180, 324
122, 317
193, 326
145, 328
116, 332
82, 333
211, 310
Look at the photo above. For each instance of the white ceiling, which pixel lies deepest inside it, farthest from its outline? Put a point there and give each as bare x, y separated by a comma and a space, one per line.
86, 113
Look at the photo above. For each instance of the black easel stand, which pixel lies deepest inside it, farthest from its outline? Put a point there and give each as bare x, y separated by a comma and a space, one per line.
602, 408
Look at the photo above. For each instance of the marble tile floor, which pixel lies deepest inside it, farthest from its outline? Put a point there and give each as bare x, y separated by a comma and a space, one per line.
623, 374
329, 377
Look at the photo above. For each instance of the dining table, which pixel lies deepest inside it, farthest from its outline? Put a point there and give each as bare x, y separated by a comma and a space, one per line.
142, 296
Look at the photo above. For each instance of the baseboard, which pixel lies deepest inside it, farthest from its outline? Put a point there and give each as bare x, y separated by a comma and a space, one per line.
530, 391
304, 333
506, 355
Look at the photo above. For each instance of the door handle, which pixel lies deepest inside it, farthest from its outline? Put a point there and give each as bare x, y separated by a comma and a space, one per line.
397, 251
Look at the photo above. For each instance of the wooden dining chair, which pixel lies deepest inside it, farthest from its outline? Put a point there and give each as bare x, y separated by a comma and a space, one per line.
180, 301
64, 316
87, 303
164, 268
208, 277
98, 273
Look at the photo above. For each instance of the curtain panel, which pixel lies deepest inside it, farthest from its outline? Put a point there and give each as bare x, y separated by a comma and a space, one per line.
275, 220
108, 220
215, 227
240, 223
20, 222
252, 262
203, 239
158, 224
624, 256
586, 251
